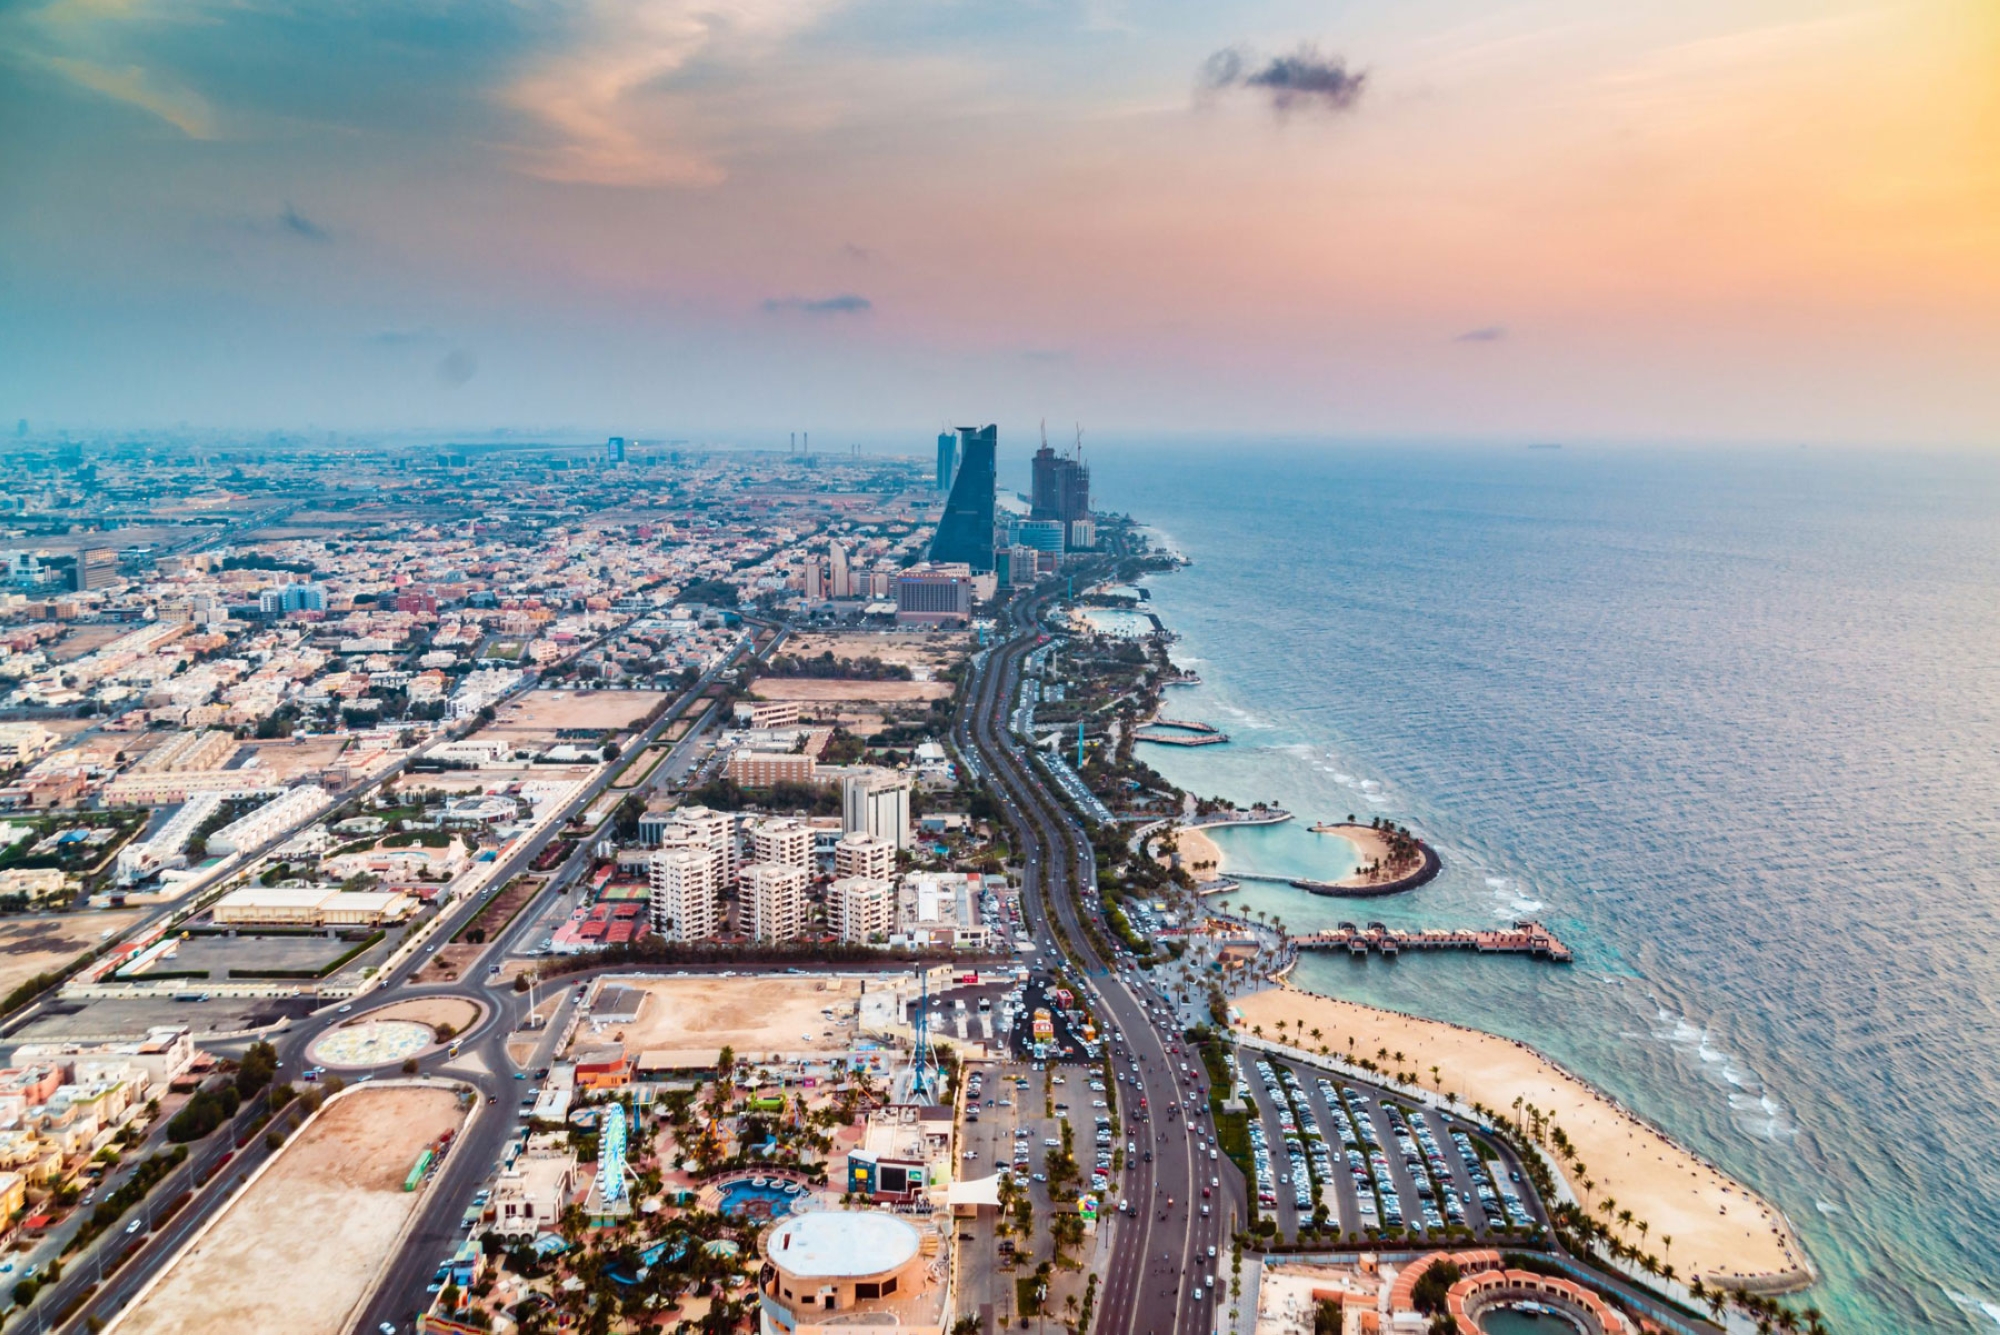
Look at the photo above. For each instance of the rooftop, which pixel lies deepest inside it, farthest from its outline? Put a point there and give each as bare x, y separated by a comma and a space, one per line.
833, 1244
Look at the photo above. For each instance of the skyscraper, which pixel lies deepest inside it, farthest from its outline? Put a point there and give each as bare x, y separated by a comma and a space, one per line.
965, 533
947, 465
1061, 490
837, 568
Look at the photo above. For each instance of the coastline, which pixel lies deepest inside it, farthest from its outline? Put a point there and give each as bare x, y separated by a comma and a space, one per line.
1696, 1218
1720, 1229
1372, 846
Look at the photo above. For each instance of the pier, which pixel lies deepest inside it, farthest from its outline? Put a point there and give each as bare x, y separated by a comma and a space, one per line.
1179, 732
1523, 938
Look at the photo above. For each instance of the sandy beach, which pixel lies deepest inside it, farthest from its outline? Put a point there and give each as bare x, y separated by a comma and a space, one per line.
1719, 1229
1200, 855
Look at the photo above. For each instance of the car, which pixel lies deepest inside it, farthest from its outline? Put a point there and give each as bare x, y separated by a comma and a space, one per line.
1204, 1212
344, 1009
134, 1226
520, 1075
1211, 1251
1197, 1293
387, 1328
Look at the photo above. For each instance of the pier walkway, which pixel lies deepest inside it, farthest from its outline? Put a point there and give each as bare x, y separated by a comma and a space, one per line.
1179, 732
1523, 938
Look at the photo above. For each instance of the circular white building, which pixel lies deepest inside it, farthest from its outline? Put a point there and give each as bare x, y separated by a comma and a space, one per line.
826, 1263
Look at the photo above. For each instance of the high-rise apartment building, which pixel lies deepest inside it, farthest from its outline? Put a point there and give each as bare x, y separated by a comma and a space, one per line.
683, 894
815, 580
947, 460
614, 450
778, 841
708, 832
965, 533
861, 908
836, 560
774, 901
864, 855
876, 802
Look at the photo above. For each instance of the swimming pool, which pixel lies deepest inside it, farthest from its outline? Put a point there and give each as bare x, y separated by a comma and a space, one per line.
743, 1197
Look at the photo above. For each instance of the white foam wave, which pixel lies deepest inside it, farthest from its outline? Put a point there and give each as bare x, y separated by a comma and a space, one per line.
1754, 1110
1827, 1207
1498, 882
1986, 1307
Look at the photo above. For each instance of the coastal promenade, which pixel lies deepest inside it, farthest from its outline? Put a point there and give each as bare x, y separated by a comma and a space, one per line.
1179, 732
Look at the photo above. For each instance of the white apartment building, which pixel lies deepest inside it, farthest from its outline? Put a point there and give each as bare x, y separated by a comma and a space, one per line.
684, 900
713, 832
861, 854
861, 908
942, 909
780, 840
774, 901
273, 818
876, 802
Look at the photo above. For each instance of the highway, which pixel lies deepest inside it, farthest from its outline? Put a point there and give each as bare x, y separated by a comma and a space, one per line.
1159, 1251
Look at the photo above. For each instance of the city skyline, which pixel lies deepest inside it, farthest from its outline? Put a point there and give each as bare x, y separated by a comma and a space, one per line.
1746, 221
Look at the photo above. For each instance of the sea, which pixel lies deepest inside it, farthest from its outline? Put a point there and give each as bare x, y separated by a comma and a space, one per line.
1728, 721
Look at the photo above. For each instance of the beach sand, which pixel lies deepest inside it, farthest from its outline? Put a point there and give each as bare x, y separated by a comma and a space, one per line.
1720, 1230
1200, 855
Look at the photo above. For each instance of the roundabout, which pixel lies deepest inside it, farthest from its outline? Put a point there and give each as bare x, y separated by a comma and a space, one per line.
373, 1043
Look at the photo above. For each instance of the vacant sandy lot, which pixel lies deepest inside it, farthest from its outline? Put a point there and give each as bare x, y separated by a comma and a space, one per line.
686, 1021
909, 650
288, 759
814, 689
298, 1250
457, 1012
29, 946
545, 711
1720, 1230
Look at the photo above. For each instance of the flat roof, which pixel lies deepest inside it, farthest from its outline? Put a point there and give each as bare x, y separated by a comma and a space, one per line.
835, 1244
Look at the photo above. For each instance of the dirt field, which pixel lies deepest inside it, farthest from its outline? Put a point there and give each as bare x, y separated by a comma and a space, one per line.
547, 710
448, 963
909, 650
433, 1011
686, 1021
342, 1179
287, 760
816, 689
33, 945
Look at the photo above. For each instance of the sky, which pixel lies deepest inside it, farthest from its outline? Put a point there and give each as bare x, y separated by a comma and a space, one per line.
1733, 220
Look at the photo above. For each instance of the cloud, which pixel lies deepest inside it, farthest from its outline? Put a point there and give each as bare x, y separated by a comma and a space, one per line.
1492, 333
457, 367
858, 254
303, 227
182, 108
1305, 79
846, 303
605, 100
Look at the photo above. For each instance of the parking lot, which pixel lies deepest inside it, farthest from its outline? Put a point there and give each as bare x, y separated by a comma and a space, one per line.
1372, 1161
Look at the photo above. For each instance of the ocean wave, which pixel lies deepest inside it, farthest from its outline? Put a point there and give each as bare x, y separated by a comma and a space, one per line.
1751, 1106
1985, 1307
1827, 1207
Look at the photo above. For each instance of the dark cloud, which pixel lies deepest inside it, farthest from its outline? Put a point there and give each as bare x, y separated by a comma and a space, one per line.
1303, 80
847, 303
858, 254
1491, 333
301, 226
458, 366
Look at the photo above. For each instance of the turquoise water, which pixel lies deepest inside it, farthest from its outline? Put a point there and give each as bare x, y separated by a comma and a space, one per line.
1728, 722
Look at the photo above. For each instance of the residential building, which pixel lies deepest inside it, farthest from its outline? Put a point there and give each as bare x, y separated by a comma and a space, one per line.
774, 900
778, 840
943, 910
294, 807
864, 854
862, 909
24, 742
685, 900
